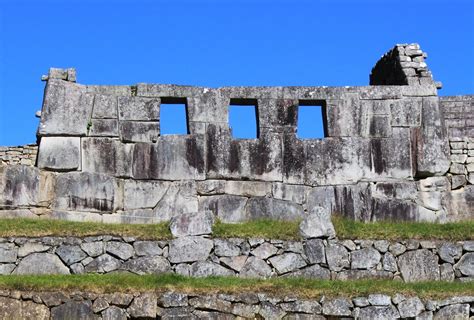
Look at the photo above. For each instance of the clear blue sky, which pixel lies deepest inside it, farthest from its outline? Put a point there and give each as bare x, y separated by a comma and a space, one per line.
219, 43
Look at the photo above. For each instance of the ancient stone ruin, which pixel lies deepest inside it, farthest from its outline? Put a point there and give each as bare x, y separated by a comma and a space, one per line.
393, 150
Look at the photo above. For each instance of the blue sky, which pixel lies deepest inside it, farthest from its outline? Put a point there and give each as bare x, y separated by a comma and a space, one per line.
219, 43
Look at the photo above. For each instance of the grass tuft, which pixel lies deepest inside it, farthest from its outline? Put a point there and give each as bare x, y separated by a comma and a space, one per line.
279, 286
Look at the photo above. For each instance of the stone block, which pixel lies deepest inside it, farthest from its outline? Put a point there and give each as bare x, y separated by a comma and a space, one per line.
60, 153
139, 131
419, 265
138, 108
344, 116
144, 194
210, 187
74, 310
105, 107
228, 208
107, 156
83, 191
209, 106
287, 262
190, 249
66, 109
248, 188
192, 224
41, 263
180, 198
406, 112
317, 224
103, 128
376, 126
466, 265
19, 186
269, 208
366, 258
288, 192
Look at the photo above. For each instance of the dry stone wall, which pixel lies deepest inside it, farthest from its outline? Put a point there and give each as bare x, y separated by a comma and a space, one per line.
386, 154
181, 305
25, 155
200, 256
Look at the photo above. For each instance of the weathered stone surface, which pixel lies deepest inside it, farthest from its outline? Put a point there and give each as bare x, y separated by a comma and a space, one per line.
138, 108
366, 258
270, 311
317, 224
173, 299
450, 252
379, 299
337, 257
147, 248
74, 310
41, 263
189, 249
228, 208
379, 313
106, 155
19, 186
105, 107
466, 264
192, 224
411, 307
287, 262
138, 131
147, 265
337, 307
455, 311
235, 263
419, 265
389, 262
315, 251
93, 249
103, 264
31, 247
70, 254
206, 269
86, 192
269, 208
143, 306
60, 153
264, 251
114, 313
312, 272
66, 109
119, 249
15, 309
8, 252
255, 267
226, 248
104, 128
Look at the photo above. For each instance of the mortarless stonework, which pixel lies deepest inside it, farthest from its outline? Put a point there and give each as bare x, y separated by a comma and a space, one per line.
393, 150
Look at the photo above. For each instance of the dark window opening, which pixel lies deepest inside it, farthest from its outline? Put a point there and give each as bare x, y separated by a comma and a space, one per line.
311, 119
243, 118
173, 116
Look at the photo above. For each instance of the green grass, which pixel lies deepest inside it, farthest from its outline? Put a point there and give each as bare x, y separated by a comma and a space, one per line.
281, 286
269, 229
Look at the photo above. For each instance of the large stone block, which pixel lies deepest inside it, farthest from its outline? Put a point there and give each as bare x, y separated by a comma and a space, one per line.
11, 308
173, 157
143, 194
190, 249
227, 208
105, 107
406, 112
139, 131
138, 108
41, 263
270, 208
344, 116
60, 153
209, 106
107, 156
104, 128
419, 265
84, 191
66, 109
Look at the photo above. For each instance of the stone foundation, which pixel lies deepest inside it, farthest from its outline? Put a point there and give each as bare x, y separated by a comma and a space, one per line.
199, 256
177, 305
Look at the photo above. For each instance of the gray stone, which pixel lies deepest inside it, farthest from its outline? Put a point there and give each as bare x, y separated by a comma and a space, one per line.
143, 194
74, 310
450, 252
104, 128
22, 185
366, 258
411, 307
178, 313
455, 311
147, 265
389, 262
235, 263
138, 131
248, 188
93, 249
173, 299
114, 313
143, 306
381, 245
427, 315
103, 264
446, 272
466, 264
288, 192
99, 304
226, 248
468, 245
211, 302
360, 302
6, 268
303, 306
31, 247
228, 208
419, 265
255, 267
138, 108
337, 257
270, 311
192, 224
8, 252
70, 254
41, 263
379, 313
287, 262
119, 299
270, 208
244, 310
77, 268
147, 248
315, 251
190, 249
317, 224
264, 251
118, 249
60, 153
379, 300
397, 249
105, 107
458, 181
337, 307
312, 272
207, 269
363, 275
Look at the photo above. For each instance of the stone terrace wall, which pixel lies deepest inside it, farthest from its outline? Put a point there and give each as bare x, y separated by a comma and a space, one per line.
19, 155
179, 305
198, 256
102, 157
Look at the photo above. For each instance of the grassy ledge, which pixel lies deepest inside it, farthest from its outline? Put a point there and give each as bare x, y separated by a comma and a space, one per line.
269, 229
280, 286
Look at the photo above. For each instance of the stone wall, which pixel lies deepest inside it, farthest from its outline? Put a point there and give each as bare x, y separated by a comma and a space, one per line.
199, 256
25, 155
102, 158
180, 305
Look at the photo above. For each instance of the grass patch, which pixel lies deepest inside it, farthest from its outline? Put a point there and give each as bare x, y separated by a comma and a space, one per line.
281, 286
268, 229
348, 229
45, 227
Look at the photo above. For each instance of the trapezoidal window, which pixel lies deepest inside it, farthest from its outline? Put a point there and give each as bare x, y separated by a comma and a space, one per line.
243, 118
311, 119
173, 116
